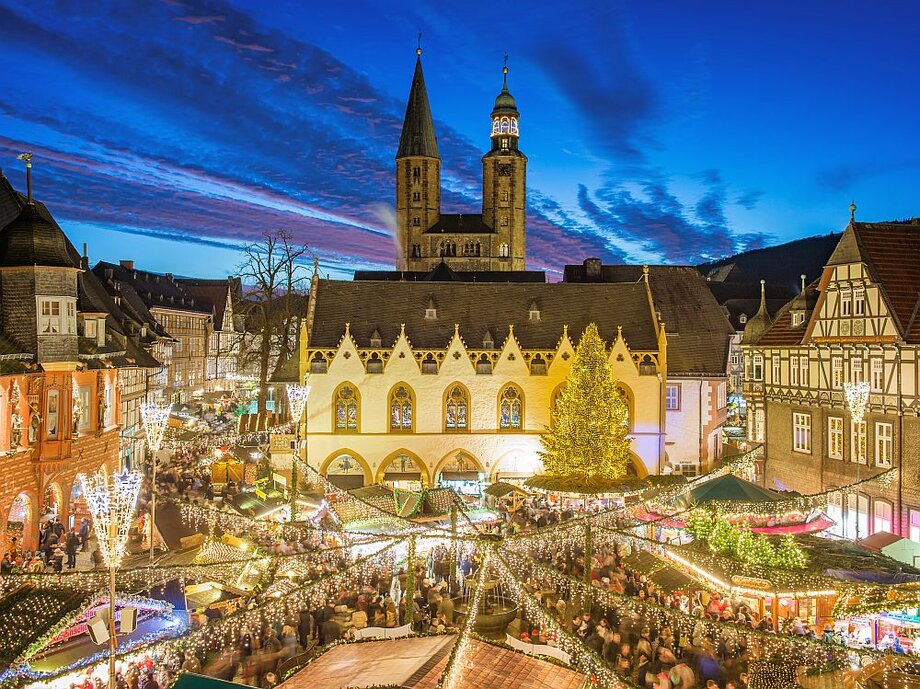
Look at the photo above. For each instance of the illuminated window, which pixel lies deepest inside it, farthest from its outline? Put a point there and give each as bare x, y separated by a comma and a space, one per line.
456, 408
881, 511
801, 432
884, 442
503, 251
510, 409
54, 413
915, 526
401, 409
346, 409
837, 372
835, 437
858, 442
505, 125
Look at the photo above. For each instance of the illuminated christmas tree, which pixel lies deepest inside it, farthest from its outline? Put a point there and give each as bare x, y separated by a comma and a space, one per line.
587, 439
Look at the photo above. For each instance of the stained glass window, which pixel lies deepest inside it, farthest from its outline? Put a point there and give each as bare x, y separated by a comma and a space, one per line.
346, 409
456, 409
400, 409
510, 408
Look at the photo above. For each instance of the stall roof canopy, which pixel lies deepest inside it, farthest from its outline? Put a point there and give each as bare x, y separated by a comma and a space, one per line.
728, 488
189, 680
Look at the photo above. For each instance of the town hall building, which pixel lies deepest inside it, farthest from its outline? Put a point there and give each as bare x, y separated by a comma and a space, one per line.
445, 370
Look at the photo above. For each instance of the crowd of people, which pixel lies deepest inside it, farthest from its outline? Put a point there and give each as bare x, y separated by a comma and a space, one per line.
55, 545
647, 643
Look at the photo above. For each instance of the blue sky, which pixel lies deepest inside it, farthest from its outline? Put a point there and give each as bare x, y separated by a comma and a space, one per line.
173, 132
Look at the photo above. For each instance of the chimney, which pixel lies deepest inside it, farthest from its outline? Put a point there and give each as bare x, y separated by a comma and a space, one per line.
84, 262
593, 269
127, 265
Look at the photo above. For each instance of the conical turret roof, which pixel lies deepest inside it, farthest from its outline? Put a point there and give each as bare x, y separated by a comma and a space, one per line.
417, 138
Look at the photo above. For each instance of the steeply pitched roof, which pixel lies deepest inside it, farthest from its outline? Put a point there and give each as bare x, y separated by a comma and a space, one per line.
211, 293
479, 308
781, 332
417, 138
460, 223
155, 289
697, 329
891, 251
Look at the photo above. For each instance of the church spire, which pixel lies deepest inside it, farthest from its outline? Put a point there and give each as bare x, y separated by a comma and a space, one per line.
417, 138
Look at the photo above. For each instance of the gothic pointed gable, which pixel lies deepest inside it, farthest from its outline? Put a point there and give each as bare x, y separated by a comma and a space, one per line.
417, 138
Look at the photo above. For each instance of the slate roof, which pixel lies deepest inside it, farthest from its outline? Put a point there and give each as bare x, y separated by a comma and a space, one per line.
122, 329
154, 289
444, 273
417, 138
30, 239
460, 223
698, 331
891, 251
479, 308
211, 293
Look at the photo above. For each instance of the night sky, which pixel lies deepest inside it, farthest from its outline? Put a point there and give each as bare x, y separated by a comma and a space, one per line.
171, 132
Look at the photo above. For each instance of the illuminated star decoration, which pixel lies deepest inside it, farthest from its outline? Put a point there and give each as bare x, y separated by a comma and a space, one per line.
154, 415
111, 501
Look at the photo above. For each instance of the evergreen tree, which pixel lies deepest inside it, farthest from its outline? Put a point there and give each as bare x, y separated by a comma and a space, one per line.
789, 555
587, 437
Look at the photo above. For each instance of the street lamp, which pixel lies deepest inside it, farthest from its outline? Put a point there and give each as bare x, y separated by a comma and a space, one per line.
111, 502
297, 398
857, 395
154, 415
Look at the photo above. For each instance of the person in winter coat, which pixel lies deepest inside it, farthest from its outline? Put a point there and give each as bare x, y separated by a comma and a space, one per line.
71, 544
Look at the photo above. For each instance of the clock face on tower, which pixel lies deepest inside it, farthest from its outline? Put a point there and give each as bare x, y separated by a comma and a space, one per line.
504, 170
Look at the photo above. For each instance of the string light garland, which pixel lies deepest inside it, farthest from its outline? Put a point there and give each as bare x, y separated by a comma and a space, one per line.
451, 676
154, 416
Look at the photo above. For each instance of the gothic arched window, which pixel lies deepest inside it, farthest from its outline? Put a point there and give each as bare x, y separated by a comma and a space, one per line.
506, 125
514, 125
401, 408
511, 409
456, 409
346, 409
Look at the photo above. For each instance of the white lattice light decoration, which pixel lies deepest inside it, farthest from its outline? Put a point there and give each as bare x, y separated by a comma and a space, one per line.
857, 395
297, 398
154, 415
111, 501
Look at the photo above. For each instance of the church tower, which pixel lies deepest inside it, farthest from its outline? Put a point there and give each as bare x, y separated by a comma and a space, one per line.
504, 176
418, 176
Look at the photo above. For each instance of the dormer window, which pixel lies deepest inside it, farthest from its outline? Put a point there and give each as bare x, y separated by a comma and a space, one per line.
89, 328
742, 319
376, 340
798, 317
487, 341
57, 316
534, 312
431, 311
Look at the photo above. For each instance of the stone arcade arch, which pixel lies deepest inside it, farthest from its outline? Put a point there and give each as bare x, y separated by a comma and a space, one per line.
403, 469
346, 469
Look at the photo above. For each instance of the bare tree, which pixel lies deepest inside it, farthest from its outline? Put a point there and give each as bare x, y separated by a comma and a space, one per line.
276, 282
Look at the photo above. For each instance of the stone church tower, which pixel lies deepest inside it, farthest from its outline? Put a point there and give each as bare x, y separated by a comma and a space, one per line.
494, 240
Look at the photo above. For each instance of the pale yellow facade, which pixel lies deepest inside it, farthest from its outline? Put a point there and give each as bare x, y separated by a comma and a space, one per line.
487, 448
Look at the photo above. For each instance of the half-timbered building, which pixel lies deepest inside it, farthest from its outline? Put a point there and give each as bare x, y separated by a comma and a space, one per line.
860, 322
